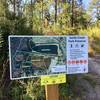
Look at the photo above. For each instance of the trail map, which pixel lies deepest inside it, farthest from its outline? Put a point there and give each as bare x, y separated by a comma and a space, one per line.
32, 56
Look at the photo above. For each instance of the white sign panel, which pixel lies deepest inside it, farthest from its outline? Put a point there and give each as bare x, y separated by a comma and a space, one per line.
77, 54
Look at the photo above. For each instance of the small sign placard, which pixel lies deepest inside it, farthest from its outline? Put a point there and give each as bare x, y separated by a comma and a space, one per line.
53, 79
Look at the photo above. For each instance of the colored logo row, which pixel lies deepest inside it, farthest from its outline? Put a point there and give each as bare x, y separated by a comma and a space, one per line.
77, 62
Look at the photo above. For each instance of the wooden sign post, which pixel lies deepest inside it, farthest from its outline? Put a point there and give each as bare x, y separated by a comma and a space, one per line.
51, 85
52, 92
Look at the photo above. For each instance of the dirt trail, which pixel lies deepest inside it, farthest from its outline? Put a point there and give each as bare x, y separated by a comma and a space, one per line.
94, 65
89, 84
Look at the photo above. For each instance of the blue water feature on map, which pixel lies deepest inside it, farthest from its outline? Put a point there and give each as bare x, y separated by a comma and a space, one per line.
48, 49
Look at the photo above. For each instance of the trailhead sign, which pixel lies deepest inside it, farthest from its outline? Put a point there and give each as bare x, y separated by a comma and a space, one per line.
77, 54
34, 56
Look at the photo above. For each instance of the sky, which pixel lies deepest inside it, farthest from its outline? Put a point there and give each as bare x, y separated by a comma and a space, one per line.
86, 3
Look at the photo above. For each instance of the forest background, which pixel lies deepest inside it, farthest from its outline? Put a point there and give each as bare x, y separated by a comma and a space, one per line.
45, 17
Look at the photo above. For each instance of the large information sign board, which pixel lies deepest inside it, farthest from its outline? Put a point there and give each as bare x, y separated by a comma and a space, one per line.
33, 56
77, 54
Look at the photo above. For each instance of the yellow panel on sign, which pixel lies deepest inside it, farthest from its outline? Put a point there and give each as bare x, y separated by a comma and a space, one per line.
53, 79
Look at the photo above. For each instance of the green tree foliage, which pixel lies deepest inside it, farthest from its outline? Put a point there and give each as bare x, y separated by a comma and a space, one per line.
9, 24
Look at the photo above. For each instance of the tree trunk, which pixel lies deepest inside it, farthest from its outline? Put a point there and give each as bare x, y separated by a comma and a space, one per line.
55, 11
5, 81
14, 7
72, 18
42, 17
31, 23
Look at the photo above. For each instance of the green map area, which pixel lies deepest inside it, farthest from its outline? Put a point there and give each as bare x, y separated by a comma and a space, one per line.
32, 56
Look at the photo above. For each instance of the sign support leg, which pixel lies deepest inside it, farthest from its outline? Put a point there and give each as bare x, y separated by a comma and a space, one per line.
52, 92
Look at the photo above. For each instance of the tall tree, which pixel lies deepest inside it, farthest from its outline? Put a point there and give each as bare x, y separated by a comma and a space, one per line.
72, 18
55, 11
